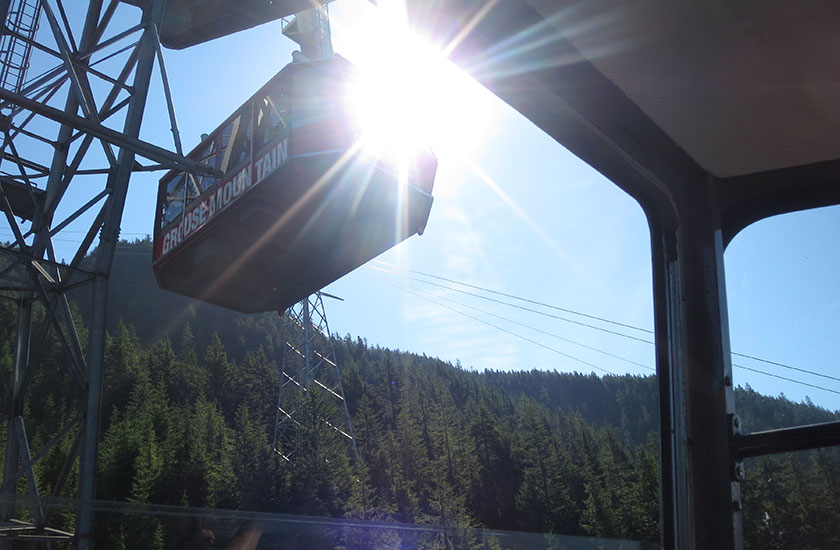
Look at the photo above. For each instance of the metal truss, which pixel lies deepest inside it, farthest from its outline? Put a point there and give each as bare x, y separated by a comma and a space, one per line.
311, 394
76, 121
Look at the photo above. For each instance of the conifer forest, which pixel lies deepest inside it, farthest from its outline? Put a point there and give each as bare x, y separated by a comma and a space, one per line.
189, 411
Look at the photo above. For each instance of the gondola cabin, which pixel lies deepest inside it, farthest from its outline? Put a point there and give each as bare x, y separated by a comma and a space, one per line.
300, 203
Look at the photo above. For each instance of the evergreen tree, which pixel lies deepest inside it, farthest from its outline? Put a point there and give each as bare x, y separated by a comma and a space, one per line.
438, 444
250, 461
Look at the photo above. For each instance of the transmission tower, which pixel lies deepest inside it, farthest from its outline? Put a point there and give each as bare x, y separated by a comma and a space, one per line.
69, 147
311, 394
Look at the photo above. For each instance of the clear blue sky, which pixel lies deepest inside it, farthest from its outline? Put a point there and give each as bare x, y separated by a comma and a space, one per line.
517, 213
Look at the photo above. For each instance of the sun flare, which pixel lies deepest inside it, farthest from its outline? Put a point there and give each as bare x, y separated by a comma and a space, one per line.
408, 96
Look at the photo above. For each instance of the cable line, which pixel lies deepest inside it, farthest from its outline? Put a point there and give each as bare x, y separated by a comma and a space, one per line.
785, 378
535, 302
523, 325
523, 308
572, 357
405, 289
746, 356
789, 367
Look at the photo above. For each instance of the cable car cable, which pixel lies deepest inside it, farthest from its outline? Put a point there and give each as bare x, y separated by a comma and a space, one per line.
572, 357
535, 302
523, 325
628, 336
743, 355
404, 289
787, 379
789, 367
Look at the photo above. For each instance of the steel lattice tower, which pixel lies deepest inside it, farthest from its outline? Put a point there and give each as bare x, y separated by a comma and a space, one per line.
69, 147
311, 391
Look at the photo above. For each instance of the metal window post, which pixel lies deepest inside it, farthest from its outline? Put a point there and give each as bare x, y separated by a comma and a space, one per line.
700, 490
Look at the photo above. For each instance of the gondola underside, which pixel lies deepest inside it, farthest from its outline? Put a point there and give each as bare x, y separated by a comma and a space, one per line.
297, 232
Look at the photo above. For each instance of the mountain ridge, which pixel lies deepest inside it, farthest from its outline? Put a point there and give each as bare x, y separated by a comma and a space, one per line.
190, 397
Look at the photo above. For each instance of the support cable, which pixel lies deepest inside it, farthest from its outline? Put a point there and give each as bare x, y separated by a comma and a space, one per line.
523, 325
521, 299
523, 308
549, 348
801, 383
396, 285
543, 304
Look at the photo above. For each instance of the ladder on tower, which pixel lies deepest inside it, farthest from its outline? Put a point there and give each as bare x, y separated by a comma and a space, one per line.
311, 30
21, 25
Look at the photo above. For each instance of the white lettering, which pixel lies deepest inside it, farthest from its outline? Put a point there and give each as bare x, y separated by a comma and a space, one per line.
246, 174
258, 164
201, 213
227, 194
282, 150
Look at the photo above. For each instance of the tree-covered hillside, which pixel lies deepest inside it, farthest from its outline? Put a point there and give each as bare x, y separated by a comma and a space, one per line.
190, 397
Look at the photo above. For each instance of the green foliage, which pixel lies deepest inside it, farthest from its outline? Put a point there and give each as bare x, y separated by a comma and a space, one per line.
190, 395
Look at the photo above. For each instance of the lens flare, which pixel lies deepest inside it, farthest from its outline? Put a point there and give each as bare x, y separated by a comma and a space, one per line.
407, 97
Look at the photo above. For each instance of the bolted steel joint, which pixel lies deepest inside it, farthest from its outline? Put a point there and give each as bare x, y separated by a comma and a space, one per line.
738, 472
735, 427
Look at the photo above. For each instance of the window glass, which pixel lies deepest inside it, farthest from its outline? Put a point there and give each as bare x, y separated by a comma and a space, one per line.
193, 182
202, 183
784, 317
174, 203
193, 185
272, 117
226, 132
236, 141
790, 500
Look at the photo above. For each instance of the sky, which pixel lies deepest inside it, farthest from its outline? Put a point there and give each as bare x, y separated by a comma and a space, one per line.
517, 214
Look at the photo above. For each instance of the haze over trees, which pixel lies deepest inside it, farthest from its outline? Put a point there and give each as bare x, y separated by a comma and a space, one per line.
190, 395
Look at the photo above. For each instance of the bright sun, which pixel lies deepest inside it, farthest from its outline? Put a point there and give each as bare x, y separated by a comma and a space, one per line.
408, 96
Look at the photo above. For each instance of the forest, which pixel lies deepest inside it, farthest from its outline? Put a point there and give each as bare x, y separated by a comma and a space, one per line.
189, 411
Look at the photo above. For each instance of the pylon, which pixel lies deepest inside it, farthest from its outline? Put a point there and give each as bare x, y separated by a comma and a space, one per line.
102, 73
310, 383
